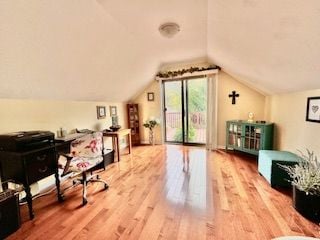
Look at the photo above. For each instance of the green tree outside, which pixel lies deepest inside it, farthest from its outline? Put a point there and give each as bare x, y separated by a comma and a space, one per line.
197, 102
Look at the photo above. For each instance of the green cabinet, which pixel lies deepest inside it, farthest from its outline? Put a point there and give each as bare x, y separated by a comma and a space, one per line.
249, 137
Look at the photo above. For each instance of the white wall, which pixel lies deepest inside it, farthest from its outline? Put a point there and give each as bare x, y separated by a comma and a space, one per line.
25, 115
293, 132
248, 101
149, 109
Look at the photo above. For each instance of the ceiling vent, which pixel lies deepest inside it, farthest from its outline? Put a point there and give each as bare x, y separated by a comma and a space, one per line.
169, 30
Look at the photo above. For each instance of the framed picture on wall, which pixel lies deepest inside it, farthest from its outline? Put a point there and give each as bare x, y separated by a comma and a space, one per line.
101, 112
313, 109
113, 111
150, 96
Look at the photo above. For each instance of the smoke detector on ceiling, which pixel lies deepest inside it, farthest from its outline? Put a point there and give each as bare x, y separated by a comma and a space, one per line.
169, 30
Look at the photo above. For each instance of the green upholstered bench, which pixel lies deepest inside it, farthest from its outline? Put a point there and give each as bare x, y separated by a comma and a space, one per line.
268, 167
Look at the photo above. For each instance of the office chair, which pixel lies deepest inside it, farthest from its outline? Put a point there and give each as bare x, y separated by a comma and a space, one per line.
86, 154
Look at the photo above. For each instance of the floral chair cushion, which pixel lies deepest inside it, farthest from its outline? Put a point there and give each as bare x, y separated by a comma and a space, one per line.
87, 146
81, 164
86, 152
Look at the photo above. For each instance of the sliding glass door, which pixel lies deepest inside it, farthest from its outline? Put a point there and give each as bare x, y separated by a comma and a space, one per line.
185, 107
173, 100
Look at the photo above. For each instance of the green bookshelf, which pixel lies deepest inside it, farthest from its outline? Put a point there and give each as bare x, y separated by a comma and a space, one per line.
249, 137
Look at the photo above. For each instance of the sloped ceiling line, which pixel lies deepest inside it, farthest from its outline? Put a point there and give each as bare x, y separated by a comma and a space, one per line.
107, 50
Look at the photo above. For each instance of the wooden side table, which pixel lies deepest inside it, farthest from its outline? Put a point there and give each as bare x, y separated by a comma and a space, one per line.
116, 139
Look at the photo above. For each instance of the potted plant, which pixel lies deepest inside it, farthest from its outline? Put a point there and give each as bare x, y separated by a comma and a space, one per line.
151, 124
305, 179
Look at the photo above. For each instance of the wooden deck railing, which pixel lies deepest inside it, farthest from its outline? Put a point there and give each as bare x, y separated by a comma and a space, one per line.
197, 119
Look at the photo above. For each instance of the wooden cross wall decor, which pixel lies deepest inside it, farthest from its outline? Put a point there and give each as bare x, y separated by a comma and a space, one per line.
233, 96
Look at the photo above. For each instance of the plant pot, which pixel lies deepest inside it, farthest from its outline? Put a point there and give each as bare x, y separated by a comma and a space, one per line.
151, 137
307, 205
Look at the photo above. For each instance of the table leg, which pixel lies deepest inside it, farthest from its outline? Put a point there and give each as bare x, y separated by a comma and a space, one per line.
29, 200
118, 148
56, 175
113, 144
130, 143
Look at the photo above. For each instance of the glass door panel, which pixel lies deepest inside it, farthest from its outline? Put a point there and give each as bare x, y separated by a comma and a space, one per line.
238, 131
185, 106
257, 137
196, 110
252, 137
173, 111
234, 135
247, 137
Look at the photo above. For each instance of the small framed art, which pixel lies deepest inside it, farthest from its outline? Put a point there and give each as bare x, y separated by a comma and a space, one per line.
113, 111
150, 96
101, 112
313, 109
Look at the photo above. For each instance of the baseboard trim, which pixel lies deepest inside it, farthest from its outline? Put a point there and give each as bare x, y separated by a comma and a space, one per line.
221, 147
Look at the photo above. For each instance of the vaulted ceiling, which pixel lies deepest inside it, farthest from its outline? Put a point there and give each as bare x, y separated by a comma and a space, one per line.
109, 50
273, 45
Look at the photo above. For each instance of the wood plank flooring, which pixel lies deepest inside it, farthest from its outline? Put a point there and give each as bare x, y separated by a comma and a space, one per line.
171, 192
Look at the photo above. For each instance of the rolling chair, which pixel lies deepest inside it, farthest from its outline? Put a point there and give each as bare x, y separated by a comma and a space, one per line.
86, 154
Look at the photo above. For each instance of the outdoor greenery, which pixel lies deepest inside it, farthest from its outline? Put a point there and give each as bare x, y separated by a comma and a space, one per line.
197, 104
306, 174
178, 135
197, 93
197, 96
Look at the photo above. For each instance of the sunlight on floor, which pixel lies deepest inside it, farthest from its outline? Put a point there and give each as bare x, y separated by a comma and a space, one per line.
186, 176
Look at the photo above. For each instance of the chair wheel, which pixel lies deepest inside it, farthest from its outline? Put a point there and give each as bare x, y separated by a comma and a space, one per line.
84, 201
98, 177
106, 186
60, 198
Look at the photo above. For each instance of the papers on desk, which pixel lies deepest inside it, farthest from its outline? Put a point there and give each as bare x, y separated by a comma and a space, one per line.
70, 137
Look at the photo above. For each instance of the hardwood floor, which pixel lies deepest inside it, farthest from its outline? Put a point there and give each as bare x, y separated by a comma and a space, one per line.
171, 192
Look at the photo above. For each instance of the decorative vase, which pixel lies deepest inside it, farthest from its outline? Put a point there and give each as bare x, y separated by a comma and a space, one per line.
306, 204
151, 137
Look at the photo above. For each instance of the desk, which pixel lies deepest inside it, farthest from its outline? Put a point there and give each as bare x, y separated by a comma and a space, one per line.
69, 137
116, 139
63, 143
29, 167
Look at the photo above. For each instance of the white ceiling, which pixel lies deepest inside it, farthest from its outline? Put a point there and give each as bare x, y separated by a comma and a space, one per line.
109, 50
272, 45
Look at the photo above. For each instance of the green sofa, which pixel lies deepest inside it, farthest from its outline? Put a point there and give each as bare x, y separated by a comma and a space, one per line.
268, 167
